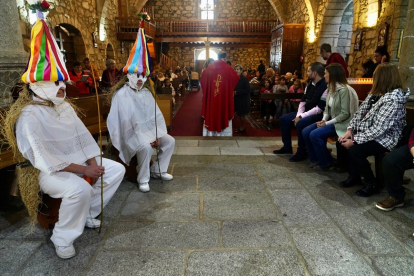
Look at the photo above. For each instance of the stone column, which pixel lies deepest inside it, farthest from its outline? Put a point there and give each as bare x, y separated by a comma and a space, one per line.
207, 43
13, 58
406, 62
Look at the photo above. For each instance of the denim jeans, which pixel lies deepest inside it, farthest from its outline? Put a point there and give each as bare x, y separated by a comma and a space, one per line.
291, 106
286, 123
279, 108
315, 139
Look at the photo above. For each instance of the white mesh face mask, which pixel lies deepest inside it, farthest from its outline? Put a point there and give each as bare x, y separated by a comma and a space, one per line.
47, 90
133, 80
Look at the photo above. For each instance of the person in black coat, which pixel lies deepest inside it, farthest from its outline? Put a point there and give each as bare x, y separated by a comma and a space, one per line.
261, 68
241, 98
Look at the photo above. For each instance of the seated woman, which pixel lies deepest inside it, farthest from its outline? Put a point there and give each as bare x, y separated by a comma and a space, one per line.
365, 67
160, 79
110, 75
76, 77
257, 78
375, 128
268, 88
394, 165
167, 84
342, 102
297, 87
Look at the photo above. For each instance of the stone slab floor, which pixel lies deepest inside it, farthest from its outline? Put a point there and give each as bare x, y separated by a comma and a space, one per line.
229, 213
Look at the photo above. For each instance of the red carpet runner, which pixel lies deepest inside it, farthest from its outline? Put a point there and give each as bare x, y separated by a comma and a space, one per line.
188, 120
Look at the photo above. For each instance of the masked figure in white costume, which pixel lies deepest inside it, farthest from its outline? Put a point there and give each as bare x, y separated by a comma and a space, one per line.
61, 150
135, 123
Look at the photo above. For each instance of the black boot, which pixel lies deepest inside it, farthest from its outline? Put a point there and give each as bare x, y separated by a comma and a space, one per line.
369, 189
350, 181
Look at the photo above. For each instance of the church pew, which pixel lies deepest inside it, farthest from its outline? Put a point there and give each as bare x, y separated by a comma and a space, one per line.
165, 104
274, 96
255, 98
87, 103
89, 107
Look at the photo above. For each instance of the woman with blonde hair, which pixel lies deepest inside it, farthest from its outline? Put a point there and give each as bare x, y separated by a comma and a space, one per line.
341, 104
376, 127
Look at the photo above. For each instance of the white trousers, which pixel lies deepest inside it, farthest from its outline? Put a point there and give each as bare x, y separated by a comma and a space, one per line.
166, 150
80, 200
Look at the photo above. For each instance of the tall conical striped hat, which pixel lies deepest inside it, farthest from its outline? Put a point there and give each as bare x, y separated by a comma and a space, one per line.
139, 58
45, 60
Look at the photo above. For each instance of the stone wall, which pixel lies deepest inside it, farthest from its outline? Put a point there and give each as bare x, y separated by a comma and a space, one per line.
83, 16
241, 9
329, 13
226, 9
174, 9
13, 58
345, 31
392, 12
247, 57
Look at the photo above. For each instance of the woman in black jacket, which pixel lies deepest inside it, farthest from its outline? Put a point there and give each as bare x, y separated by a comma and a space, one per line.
241, 98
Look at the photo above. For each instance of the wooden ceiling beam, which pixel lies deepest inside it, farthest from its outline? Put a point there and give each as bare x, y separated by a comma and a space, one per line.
213, 39
232, 45
181, 39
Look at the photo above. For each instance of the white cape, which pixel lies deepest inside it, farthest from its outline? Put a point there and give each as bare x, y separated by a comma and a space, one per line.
53, 138
131, 121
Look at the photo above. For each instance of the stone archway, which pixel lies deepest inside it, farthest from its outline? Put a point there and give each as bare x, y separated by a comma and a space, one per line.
330, 27
102, 21
71, 43
110, 53
345, 31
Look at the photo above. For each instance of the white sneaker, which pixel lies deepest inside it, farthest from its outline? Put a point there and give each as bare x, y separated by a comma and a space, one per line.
92, 223
65, 252
164, 176
144, 187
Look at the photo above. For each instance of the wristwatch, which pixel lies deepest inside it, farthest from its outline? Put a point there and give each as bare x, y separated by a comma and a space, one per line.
300, 116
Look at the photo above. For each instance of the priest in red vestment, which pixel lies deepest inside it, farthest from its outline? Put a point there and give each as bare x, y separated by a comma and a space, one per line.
326, 54
218, 81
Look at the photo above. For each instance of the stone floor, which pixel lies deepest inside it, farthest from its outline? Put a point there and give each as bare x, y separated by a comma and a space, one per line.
232, 209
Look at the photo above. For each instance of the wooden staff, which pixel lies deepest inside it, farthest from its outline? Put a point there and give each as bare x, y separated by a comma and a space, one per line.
100, 141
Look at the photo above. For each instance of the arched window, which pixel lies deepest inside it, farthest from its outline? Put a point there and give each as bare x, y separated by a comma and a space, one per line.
202, 55
207, 8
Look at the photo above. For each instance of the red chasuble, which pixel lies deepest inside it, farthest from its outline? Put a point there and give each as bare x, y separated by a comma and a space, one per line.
337, 58
218, 82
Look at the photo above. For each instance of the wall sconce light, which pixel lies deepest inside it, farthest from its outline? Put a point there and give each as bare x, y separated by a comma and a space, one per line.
94, 40
122, 47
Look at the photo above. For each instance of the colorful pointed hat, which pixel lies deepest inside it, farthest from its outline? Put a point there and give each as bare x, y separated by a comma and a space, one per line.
45, 60
139, 58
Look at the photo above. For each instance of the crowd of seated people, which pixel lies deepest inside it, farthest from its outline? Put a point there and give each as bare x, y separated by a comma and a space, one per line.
272, 82
376, 127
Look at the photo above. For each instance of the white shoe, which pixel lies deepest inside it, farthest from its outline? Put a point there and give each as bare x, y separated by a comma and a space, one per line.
144, 187
65, 252
270, 117
92, 223
164, 176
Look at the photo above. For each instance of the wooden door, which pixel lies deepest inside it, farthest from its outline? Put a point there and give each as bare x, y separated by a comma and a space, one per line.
292, 47
67, 46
